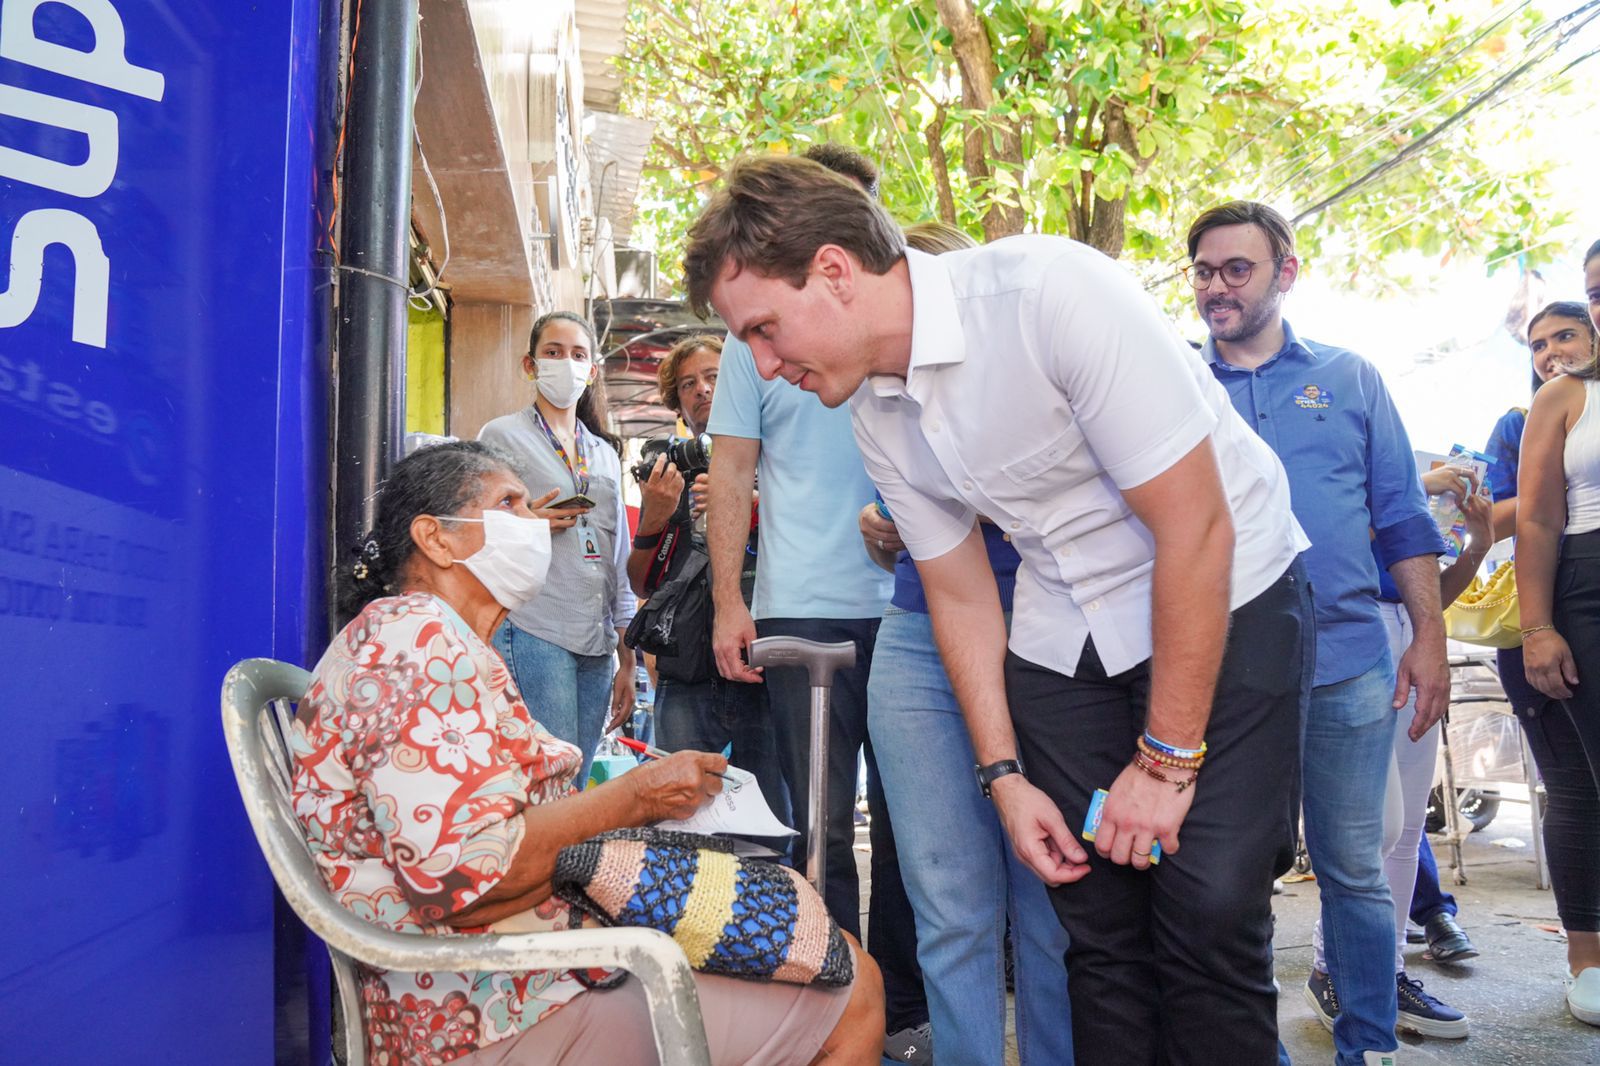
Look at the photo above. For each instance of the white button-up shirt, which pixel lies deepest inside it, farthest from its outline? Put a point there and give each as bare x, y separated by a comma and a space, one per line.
1043, 382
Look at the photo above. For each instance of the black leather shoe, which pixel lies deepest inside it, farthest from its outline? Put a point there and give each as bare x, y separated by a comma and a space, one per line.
1447, 942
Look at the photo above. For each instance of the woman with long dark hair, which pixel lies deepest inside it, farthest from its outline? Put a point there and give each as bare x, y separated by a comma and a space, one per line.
1558, 582
560, 645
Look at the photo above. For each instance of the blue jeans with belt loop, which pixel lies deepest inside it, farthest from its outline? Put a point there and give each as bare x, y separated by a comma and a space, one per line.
567, 693
960, 873
1349, 738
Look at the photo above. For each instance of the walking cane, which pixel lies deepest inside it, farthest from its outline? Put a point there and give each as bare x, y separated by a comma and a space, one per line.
821, 662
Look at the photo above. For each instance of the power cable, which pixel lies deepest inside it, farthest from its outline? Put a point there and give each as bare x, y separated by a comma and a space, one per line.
1416, 146
1411, 77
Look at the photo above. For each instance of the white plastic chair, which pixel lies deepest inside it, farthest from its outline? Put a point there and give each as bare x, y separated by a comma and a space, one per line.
257, 712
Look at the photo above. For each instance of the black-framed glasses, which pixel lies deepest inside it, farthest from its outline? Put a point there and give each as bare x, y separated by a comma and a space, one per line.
1235, 272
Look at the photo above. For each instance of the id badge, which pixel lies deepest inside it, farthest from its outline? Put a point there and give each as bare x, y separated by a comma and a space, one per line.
589, 540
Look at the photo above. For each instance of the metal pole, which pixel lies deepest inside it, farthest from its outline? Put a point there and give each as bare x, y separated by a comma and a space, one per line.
374, 270
817, 823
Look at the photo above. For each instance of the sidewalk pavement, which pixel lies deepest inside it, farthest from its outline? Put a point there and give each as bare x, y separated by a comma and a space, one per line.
1511, 992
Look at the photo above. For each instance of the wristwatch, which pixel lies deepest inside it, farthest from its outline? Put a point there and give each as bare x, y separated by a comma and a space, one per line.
988, 775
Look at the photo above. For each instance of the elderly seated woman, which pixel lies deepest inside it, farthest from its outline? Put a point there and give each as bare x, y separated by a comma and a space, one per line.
435, 803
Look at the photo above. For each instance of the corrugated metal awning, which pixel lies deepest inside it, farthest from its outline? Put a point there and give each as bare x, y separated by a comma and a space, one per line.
617, 145
601, 25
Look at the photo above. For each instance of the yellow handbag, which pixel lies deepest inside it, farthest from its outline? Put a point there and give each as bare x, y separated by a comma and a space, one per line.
1487, 613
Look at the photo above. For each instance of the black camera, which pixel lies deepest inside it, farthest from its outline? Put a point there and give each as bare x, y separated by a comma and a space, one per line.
691, 455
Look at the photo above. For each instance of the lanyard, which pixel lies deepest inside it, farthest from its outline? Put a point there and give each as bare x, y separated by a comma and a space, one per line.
580, 470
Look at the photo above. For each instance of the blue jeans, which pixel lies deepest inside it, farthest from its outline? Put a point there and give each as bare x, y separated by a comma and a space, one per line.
1429, 897
568, 694
891, 931
712, 714
1349, 738
960, 873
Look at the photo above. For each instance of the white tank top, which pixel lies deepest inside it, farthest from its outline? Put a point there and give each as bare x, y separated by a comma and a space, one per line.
1581, 460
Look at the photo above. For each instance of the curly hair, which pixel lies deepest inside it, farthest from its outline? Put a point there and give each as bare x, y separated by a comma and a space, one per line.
667, 372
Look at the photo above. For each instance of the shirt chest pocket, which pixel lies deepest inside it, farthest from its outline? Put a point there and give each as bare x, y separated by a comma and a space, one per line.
1063, 455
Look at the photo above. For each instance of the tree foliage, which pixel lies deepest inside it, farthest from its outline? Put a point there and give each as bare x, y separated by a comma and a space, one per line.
1116, 121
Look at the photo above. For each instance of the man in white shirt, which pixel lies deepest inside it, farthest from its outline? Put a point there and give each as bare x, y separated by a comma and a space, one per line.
1032, 382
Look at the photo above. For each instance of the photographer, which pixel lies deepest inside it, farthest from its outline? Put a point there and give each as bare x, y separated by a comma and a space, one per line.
696, 709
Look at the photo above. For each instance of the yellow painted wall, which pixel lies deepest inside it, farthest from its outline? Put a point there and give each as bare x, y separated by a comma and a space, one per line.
425, 372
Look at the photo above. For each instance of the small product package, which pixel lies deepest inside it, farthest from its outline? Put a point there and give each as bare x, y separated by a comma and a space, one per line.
1091, 823
1446, 512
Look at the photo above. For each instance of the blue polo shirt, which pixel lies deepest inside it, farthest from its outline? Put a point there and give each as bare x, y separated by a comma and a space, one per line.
1326, 413
811, 562
1003, 560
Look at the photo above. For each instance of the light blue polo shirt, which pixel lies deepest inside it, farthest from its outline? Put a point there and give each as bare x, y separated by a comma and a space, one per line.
810, 561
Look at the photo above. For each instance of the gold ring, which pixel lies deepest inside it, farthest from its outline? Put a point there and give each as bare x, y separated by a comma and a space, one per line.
1142, 854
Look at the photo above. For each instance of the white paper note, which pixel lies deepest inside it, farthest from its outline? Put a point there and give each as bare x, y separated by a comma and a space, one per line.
739, 808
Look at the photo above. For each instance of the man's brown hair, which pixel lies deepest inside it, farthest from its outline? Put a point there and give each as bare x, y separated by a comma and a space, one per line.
1280, 235
771, 216
846, 161
667, 372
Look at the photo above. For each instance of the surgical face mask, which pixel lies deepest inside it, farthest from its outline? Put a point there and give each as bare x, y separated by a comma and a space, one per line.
562, 381
514, 558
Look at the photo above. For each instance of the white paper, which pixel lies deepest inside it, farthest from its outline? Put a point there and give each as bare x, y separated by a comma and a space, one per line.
739, 808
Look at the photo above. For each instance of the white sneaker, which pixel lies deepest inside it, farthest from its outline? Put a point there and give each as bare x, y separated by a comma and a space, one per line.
1378, 1058
1583, 995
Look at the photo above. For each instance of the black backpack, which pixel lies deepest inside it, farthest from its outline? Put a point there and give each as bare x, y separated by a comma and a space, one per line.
674, 624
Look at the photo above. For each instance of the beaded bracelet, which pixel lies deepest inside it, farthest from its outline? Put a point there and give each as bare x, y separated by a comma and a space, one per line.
1172, 749
1176, 762
1152, 768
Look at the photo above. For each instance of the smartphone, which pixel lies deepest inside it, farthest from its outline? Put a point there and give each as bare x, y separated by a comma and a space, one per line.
1091, 823
579, 500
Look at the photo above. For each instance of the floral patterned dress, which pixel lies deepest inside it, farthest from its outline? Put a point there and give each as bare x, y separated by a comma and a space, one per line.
414, 755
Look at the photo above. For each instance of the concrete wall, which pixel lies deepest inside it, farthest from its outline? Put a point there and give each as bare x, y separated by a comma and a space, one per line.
486, 118
487, 380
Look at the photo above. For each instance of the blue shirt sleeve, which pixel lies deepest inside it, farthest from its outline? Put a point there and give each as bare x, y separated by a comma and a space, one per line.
1504, 447
736, 405
1395, 500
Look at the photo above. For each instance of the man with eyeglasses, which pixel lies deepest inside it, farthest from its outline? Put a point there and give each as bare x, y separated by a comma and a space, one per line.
1352, 479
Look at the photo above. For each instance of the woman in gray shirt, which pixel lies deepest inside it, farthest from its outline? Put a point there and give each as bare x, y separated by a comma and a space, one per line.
559, 646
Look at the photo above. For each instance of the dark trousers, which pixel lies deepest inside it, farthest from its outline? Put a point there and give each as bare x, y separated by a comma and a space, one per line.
1174, 964
892, 931
1429, 898
1564, 736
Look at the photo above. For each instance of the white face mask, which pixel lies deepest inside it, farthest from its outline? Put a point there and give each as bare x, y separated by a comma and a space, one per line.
514, 558
561, 381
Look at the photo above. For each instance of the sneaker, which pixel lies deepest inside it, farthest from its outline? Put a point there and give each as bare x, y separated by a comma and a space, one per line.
1447, 942
1422, 1013
1583, 995
1378, 1058
1324, 1001
910, 1045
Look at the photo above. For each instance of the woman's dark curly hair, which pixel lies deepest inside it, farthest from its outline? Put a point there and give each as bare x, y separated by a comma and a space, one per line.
439, 480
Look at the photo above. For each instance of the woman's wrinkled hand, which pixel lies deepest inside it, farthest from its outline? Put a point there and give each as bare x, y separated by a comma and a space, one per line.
676, 786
